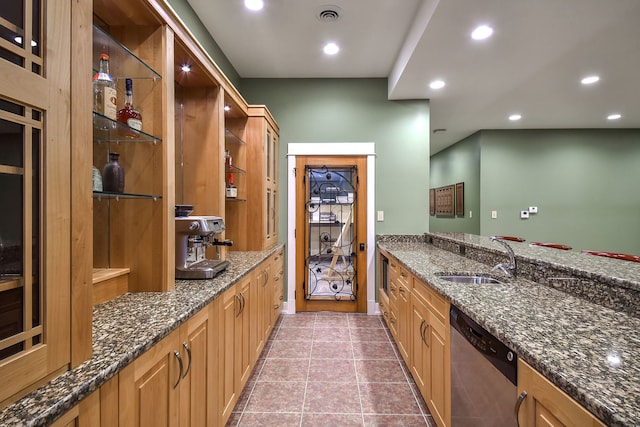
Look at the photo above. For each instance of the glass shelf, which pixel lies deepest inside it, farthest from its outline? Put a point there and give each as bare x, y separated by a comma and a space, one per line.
232, 138
233, 169
122, 62
118, 132
109, 195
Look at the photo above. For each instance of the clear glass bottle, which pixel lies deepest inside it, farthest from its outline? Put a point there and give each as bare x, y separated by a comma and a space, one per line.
104, 95
128, 114
113, 175
232, 190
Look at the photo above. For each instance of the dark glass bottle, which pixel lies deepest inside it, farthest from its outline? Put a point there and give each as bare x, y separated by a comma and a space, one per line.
113, 175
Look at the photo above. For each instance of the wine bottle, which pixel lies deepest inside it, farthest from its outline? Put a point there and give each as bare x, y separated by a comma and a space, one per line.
232, 190
104, 95
128, 114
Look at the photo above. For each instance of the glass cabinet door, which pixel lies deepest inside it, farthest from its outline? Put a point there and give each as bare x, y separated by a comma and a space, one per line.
35, 191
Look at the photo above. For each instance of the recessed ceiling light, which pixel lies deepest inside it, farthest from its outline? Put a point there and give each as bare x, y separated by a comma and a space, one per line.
254, 4
437, 84
331, 48
482, 32
515, 117
227, 107
589, 80
614, 116
186, 68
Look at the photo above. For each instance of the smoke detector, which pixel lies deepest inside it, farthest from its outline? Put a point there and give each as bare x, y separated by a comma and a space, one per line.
328, 13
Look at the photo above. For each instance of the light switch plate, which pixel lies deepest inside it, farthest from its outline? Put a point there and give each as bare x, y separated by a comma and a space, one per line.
494, 214
380, 215
524, 214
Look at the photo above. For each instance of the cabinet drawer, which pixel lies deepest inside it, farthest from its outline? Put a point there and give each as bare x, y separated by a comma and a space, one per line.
432, 298
404, 277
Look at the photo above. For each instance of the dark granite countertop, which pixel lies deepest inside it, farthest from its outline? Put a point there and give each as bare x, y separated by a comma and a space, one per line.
586, 349
118, 338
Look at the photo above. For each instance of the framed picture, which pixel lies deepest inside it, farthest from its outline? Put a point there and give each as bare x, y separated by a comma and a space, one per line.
432, 201
460, 199
445, 200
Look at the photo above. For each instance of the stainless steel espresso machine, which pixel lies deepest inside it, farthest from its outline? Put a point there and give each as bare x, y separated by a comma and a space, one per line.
194, 234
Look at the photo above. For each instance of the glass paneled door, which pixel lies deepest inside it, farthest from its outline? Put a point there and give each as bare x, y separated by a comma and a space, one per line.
330, 233
35, 191
331, 271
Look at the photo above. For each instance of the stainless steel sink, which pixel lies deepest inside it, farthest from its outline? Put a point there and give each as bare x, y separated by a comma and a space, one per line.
473, 279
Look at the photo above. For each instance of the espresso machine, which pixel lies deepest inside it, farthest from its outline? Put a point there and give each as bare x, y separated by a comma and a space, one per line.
194, 234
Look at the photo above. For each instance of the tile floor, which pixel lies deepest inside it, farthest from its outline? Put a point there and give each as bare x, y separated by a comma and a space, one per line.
330, 369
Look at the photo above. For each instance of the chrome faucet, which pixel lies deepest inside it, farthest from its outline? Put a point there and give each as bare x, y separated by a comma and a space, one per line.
508, 269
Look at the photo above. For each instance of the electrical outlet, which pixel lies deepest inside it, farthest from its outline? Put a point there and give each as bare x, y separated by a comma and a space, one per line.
524, 214
533, 209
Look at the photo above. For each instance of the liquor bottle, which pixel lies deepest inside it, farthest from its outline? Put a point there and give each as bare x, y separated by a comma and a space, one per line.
232, 190
113, 175
227, 159
128, 114
104, 95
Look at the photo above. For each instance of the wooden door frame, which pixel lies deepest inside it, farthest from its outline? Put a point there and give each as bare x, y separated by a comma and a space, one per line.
332, 149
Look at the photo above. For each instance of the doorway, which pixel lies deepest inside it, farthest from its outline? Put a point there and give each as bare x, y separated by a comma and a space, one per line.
331, 230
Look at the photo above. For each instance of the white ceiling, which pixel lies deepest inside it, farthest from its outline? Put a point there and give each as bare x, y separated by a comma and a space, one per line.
531, 65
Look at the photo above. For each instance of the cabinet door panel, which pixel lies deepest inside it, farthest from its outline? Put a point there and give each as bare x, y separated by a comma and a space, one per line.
228, 394
147, 396
420, 360
194, 396
547, 405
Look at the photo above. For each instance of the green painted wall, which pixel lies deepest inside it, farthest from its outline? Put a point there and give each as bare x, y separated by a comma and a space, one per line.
192, 21
344, 110
459, 163
584, 183
356, 110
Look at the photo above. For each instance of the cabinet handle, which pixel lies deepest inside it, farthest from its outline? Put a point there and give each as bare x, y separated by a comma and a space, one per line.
425, 340
516, 409
239, 305
265, 273
401, 289
276, 306
186, 347
177, 355
242, 301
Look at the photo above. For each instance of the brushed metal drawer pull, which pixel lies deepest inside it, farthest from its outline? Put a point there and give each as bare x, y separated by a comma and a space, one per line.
177, 355
186, 347
521, 398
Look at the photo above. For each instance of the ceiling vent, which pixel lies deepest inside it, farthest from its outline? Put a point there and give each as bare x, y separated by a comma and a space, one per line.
329, 13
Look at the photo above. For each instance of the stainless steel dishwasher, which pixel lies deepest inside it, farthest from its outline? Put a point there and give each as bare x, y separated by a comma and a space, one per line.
483, 376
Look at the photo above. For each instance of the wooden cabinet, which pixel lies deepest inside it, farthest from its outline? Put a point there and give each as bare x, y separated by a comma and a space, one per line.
277, 269
172, 384
235, 355
418, 318
545, 405
399, 306
86, 413
430, 353
262, 179
35, 187
131, 229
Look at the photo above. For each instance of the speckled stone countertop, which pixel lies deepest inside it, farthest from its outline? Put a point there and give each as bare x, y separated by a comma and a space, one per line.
587, 349
123, 329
